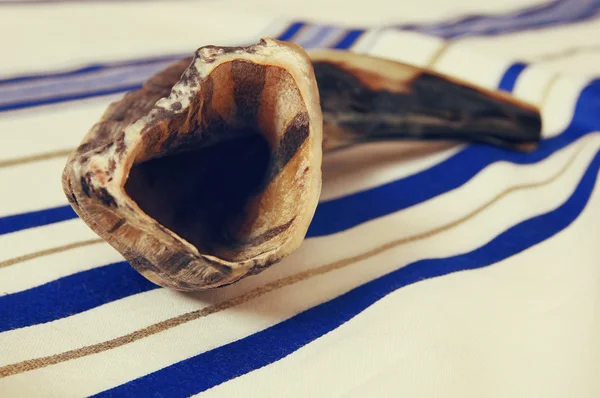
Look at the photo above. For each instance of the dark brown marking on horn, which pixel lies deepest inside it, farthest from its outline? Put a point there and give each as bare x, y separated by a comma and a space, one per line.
120, 148
175, 131
208, 89
83, 148
106, 198
151, 137
296, 133
248, 84
104, 133
222, 268
259, 266
187, 77
430, 107
176, 262
169, 142
85, 185
99, 141
212, 122
271, 233
116, 226
193, 116
212, 278
119, 112
161, 114
112, 165
73, 199
84, 159
101, 193
186, 285
142, 263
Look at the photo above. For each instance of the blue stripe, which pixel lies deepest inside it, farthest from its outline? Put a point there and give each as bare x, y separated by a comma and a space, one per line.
94, 68
337, 215
469, 25
288, 34
317, 39
559, 12
69, 97
224, 363
291, 31
34, 219
349, 39
77, 293
510, 77
536, 10
345, 43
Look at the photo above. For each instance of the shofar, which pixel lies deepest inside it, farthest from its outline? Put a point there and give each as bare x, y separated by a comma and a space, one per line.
212, 171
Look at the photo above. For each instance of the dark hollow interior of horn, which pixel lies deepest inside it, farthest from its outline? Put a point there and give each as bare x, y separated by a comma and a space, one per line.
214, 176
200, 194
428, 107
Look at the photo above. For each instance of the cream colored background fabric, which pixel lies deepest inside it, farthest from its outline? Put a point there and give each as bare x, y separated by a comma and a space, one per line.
524, 326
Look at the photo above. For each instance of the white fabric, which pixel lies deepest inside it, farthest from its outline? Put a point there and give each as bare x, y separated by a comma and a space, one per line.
526, 326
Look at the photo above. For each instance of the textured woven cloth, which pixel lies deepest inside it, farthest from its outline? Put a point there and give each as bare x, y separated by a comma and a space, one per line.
430, 269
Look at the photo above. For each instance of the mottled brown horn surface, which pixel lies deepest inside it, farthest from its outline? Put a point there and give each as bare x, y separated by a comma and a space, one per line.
209, 173
367, 99
212, 171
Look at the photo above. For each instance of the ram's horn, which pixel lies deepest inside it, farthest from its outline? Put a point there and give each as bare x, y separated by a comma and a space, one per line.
366, 99
212, 171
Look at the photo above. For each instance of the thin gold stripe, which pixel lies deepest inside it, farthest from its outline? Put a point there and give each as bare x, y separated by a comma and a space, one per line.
35, 158
565, 53
438, 54
547, 89
38, 363
52, 250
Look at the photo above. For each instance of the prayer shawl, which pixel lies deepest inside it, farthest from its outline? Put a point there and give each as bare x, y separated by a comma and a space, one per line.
431, 269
